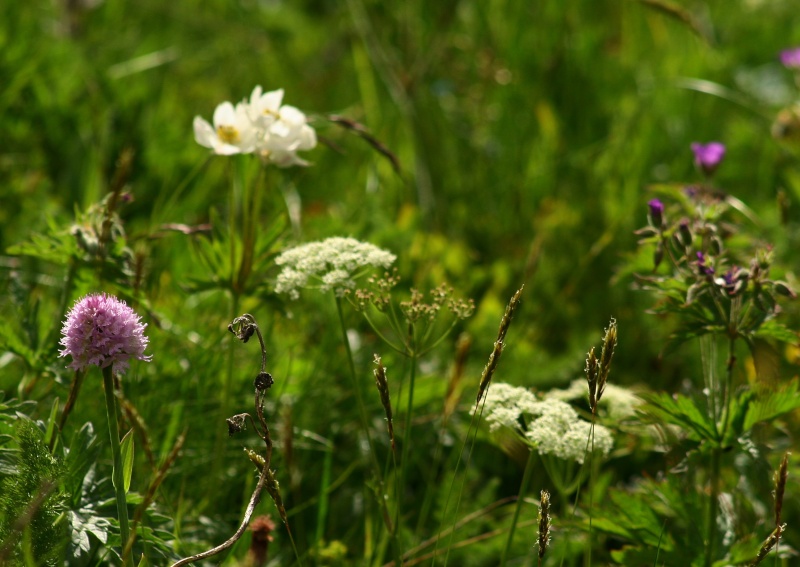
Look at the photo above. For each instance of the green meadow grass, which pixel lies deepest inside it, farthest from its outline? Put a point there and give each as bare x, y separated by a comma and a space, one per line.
529, 136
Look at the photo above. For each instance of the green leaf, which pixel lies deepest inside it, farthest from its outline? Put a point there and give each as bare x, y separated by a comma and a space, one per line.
771, 329
683, 412
737, 412
51, 423
143, 561
742, 551
84, 447
126, 448
770, 405
631, 518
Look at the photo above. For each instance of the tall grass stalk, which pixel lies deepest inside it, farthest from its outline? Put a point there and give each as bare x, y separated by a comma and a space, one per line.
523, 488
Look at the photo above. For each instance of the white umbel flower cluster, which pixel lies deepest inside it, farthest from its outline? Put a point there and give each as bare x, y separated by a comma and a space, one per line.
550, 426
560, 432
332, 264
261, 125
618, 403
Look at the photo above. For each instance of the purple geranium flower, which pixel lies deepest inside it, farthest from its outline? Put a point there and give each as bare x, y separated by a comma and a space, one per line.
656, 212
791, 58
702, 267
102, 331
708, 156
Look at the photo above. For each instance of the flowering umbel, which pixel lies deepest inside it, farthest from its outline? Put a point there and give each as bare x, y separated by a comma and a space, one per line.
331, 264
101, 330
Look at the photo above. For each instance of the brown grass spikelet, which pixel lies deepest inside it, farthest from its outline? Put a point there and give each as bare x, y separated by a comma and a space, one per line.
768, 544
383, 389
499, 344
273, 489
606, 354
591, 378
544, 524
781, 476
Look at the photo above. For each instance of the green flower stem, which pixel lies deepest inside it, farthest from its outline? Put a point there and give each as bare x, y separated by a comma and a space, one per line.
713, 507
716, 457
407, 429
365, 425
523, 488
119, 485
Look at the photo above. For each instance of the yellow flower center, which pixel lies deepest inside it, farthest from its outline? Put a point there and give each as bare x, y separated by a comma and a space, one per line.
228, 134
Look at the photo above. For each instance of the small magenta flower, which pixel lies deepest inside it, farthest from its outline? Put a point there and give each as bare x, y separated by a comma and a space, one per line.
790, 58
708, 156
656, 212
101, 330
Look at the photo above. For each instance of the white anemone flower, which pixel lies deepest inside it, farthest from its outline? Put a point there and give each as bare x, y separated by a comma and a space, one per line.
232, 132
283, 129
264, 108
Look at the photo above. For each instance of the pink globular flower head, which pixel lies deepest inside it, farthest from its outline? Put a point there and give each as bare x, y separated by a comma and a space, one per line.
101, 330
790, 58
708, 156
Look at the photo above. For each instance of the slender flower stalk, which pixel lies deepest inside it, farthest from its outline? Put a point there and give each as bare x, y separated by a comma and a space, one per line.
118, 481
485, 381
523, 488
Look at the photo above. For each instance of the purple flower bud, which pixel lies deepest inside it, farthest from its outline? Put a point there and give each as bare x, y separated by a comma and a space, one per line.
790, 58
656, 212
708, 156
102, 331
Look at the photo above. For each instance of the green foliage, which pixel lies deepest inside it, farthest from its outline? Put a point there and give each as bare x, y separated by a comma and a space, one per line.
507, 143
32, 500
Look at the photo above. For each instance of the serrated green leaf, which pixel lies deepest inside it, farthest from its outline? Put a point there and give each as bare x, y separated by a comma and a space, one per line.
737, 412
126, 448
631, 518
770, 405
771, 329
681, 411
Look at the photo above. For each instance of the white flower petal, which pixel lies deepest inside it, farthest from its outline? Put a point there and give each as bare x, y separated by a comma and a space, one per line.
204, 133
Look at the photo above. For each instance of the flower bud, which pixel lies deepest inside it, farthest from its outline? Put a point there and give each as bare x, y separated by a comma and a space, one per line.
685, 233
783, 288
658, 255
656, 213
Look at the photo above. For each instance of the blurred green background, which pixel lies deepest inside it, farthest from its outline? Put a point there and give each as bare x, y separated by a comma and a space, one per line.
527, 134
